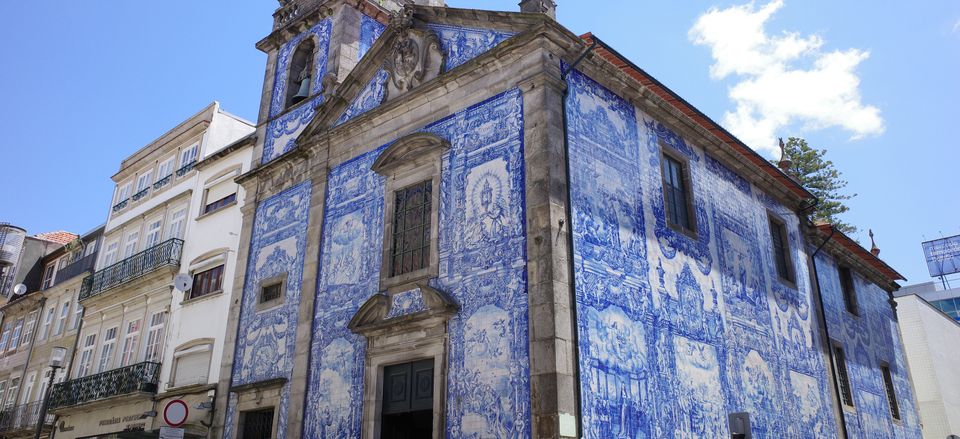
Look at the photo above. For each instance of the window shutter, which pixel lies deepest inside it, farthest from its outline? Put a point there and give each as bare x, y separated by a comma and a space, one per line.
220, 191
192, 368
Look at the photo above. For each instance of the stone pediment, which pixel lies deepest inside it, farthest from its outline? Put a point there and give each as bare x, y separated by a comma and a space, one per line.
420, 44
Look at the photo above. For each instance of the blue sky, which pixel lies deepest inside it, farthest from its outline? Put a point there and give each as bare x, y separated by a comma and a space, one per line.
87, 83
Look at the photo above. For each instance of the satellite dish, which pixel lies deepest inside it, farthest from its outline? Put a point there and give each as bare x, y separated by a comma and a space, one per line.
183, 282
19, 289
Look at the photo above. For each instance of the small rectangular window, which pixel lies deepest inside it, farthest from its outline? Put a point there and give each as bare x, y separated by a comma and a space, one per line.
676, 193
85, 364
842, 376
15, 335
28, 328
411, 228
220, 204
206, 282
48, 275
257, 424
781, 249
165, 170
155, 337
891, 393
848, 290
270, 293
62, 320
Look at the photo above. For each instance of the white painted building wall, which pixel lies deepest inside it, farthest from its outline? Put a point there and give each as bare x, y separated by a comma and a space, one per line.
197, 325
931, 340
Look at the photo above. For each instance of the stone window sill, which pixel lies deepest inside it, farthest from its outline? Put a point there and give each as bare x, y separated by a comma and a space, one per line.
202, 298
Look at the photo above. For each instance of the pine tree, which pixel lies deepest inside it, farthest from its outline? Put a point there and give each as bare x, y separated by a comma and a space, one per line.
822, 179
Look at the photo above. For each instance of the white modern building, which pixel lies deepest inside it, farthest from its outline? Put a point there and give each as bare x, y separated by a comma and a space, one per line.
930, 337
127, 350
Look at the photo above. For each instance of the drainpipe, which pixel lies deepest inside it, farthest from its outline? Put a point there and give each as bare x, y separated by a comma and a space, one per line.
569, 221
821, 310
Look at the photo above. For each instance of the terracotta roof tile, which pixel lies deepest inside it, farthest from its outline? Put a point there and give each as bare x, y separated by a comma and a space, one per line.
60, 236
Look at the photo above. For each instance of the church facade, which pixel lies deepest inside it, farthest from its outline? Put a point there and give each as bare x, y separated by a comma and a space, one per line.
466, 223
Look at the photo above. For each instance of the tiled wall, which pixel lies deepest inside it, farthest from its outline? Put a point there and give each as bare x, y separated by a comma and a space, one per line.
675, 331
265, 339
481, 246
867, 340
459, 45
282, 131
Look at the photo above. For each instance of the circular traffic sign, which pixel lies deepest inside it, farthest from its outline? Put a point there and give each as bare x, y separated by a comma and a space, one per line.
175, 413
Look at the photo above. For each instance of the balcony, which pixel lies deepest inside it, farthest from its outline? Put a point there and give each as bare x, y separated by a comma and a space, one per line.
166, 253
76, 268
140, 377
185, 169
162, 182
119, 206
142, 193
22, 417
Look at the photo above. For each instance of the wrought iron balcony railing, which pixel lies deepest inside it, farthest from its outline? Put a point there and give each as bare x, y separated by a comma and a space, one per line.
164, 254
185, 168
22, 417
140, 377
143, 193
75, 268
162, 182
119, 206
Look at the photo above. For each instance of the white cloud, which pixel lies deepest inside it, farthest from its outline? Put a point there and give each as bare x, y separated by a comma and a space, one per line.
956, 27
786, 82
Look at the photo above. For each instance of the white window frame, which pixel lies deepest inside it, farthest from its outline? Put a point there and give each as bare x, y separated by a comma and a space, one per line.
44, 380
110, 255
189, 155
28, 387
28, 329
77, 314
5, 336
12, 392
49, 274
165, 169
107, 349
62, 318
154, 231
47, 322
123, 192
128, 354
89, 249
15, 335
85, 363
144, 180
130, 245
153, 349
177, 224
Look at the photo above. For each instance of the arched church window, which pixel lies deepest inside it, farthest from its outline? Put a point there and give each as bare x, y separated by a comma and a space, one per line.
300, 74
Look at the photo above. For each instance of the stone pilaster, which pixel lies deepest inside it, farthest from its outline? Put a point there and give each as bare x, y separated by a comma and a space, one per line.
308, 293
553, 378
248, 211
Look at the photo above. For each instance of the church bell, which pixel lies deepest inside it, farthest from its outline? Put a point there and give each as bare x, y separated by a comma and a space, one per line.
304, 91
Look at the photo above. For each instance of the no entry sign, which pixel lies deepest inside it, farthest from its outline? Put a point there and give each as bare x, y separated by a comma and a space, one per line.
175, 413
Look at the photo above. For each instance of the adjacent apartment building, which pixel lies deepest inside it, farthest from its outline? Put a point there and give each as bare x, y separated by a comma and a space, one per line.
134, 347
466, 223
40, 311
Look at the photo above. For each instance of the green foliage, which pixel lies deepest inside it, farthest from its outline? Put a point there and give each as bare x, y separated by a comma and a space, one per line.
822, 179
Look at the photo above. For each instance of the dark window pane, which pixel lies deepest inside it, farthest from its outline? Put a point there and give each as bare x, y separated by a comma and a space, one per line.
848, 289
891, 394
675, 193
840, 364
411, 232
